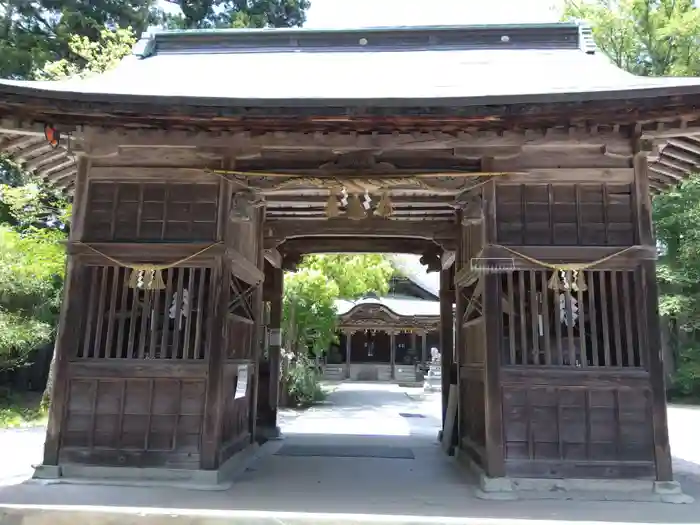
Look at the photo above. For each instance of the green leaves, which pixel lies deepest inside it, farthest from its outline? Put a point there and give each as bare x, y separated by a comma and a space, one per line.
96, 56
31, 278
355, 275
310, 316
209, 14
644, 37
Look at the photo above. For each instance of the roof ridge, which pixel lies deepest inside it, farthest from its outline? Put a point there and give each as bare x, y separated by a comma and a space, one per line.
557, 35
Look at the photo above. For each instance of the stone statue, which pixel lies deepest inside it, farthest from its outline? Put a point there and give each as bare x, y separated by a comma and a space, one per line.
433, 381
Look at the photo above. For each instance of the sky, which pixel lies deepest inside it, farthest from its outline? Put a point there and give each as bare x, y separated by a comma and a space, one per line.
372, 13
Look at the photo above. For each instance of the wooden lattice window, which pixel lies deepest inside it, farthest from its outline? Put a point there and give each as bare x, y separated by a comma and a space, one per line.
154, 211
599, 326
126, 323
565, 214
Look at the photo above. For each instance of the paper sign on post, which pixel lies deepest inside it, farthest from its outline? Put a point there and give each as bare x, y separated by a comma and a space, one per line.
242, 382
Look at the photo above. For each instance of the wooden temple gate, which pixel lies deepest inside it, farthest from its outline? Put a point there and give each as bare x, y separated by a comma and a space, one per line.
536, 211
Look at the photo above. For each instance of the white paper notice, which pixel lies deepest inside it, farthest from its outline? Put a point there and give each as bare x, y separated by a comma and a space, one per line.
242, 383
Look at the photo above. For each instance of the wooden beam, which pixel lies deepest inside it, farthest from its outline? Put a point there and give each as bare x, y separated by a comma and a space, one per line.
18, 127
678, 176
570, 175
45, 158
274, 202
672, 133
108, 141
274, 257
447, 259
371, 227
570, 254
685, 145
356, 245
19, 143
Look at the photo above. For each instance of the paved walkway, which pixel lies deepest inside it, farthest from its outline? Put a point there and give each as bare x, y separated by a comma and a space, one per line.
389, 420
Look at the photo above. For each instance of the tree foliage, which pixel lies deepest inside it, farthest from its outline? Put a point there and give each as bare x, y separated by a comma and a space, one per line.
209, 14
355, 275
96, 56
309, 309
36, 32
662, 38
31, 278
644, 37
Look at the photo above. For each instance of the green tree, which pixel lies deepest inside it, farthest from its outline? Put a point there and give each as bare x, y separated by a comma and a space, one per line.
309, 312
310, 316
208, 14
35, 32
355, 275
644, 37
662, 38
677, 222
96, 56
31, 277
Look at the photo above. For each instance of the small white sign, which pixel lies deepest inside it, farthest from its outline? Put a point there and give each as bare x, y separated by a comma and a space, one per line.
275, 337
242, 382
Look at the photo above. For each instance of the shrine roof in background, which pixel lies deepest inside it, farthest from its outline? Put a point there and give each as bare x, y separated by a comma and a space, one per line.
401, 307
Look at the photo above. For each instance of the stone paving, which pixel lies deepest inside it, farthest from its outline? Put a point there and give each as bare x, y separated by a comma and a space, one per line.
430, 485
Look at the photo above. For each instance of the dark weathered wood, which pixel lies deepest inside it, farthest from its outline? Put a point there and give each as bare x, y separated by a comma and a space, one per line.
565, 254
495, 453
662, 448
257, 339
149, 369
554, 469
279, 230
514, 376
67, 336
447, 323
211, 427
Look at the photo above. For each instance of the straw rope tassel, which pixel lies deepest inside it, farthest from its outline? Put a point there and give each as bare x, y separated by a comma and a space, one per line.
384, 208
355, 209
146, 277
332, 206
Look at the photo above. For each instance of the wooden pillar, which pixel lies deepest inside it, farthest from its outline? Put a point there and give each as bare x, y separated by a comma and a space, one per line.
413, 343
650, 294
495, 458
392, 353
258, 334
348, 352
213, 408
275, 342
447, 298
424, 347
68, 324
